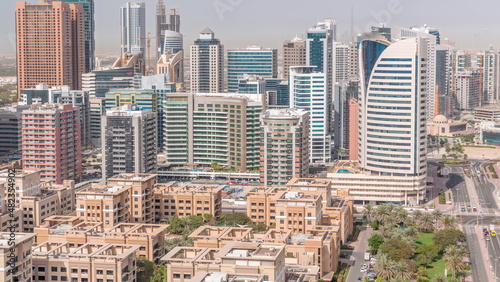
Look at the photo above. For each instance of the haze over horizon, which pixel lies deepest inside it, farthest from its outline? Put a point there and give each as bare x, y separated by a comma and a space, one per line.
239, 23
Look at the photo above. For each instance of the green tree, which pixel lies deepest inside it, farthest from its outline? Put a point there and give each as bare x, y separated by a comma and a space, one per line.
425, 223
454, 256
447, 237
448, 222
375, 241
145, 269
401, 271
427, 254
368, 211
384, 268
259, 227
159, 274
176, 225
237, 218
397, 249
436, 216
439, 278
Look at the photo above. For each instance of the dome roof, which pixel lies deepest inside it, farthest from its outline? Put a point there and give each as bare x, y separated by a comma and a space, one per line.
440, 118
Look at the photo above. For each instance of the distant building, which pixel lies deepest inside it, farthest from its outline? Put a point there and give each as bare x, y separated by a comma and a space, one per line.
276, 166
294, 54
128, 141
50, 44
172, 65
133, 27
487, 113
253, 60
490, 133
97, 110
60, 156
99, 82
468, 89
207, 64
11, 129
441, 126
143, 99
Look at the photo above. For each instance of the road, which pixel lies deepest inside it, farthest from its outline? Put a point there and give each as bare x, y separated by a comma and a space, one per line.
358, 255
477, 191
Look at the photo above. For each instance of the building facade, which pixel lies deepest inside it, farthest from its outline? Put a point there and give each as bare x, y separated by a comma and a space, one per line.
99, 82
309, 92
133, 27
207, 64
284, 146
253, 60
11, 130
128, 141
22, 260
294, 54
41, 29
59, 157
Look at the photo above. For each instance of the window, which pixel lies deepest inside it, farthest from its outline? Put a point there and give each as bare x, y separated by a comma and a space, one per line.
41, 278
187, 276
177, 276
53, 278
64, 278
41, 269
100, 272
53, 269
74, 270
63, 269
109, 272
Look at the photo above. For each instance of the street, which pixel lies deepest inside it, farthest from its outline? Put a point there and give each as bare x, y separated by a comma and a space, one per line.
358, 255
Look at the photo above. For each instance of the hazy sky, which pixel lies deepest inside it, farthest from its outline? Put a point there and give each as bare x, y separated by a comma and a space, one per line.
238, 23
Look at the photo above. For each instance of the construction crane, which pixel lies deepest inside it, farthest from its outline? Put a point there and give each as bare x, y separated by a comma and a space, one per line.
148, 46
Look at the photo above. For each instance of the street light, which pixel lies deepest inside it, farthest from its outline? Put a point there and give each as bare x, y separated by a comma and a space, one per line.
495, 273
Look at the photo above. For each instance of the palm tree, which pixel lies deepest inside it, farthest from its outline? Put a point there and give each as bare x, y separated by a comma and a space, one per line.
368, 211
386, 231
401, 271
400, 215
436, 216
412, 232
425, 223
448, 222
380, 213
384, 267
453, 256
390, 220
416, 215
439, 278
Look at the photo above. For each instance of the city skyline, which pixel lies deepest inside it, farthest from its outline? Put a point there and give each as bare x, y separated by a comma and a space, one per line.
272, 29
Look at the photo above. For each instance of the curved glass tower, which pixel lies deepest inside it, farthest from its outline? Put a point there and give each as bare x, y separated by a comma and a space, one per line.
392, 108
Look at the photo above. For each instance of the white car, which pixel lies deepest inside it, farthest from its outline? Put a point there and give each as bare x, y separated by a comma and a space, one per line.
363, 270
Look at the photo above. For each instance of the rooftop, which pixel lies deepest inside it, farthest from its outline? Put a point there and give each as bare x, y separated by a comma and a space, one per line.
102, 189
293, 195
309, 181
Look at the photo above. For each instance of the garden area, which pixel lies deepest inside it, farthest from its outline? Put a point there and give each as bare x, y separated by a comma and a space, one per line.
416, 246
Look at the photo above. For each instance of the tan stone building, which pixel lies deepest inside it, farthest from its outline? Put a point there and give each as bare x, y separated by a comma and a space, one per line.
294, 54
125, 198
441, 126
91, 262
151, 237
17, 265
179, 200
5, 213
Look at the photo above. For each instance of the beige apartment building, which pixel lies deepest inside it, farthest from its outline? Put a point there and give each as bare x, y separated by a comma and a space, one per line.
242, 258
21, 271
53, 199
180, 200
91, 262
5, 213
319, 247
294, 54
126, 197
151, 237
302, 206
27, 182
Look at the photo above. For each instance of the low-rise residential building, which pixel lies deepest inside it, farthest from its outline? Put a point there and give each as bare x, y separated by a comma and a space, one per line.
64, 261
8, 217
16, 260
151, 237
127, 197
219, 236
177, 200
487, 113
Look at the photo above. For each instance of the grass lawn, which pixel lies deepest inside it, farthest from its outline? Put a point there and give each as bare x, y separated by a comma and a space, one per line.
438, 266
425, 238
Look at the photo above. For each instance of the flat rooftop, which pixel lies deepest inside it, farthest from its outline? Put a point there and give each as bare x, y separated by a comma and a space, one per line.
309, 181
103, 189
132, 176
346, 167
293, 195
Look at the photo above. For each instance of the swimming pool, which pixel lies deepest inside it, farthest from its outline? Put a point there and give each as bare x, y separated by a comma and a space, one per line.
342, 170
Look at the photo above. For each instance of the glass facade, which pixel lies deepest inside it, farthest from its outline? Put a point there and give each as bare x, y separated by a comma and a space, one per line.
262, 63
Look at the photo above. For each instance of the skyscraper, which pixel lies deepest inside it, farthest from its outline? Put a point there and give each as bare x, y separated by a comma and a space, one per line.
133, 27
207, 64
275, 165
99, 82
59, 157
88, 12
161, 25
128, 141
319, 50
294, 54
491, 76
253, 60
392, 132
340, 62
50, 44
308, 91
468, 90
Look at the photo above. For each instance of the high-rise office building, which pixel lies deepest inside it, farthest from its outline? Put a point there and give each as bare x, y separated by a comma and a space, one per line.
294, 54
161, 24
206, 128
10, 129
88, 12
59, 157
340, 62
97, 110
443, 79
99, 82
174, 20
468, 90
133, 27
207, 64
50, 44
491, 76
140, 98
284, 133
173, 42
309, 91
253, 60
128, 141
345, 92
319, 50
172, 65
